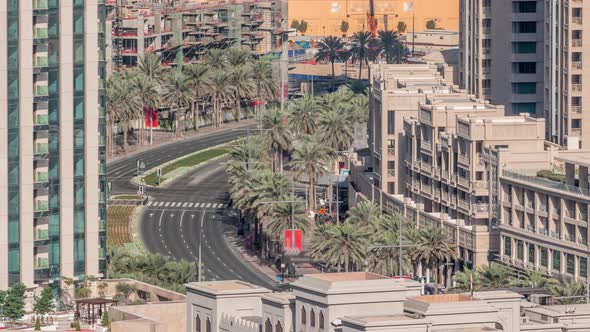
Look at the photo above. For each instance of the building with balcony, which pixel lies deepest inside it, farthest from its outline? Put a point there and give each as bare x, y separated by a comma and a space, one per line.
52, 194
398, 92
544, 215
564, 88
189, 28
502, 53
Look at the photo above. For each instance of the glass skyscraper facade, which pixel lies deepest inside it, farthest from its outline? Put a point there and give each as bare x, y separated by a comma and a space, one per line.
52, 152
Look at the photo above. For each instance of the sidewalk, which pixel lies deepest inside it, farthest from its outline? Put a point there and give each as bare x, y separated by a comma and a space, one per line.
165, 138
239, 245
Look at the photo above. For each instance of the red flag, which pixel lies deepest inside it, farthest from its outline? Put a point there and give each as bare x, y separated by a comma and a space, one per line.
289, 245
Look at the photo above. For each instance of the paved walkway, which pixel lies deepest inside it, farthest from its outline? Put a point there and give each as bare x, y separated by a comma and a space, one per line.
165, 138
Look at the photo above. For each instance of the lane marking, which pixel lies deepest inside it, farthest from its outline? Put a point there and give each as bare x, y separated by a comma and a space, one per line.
208, 205
173, 204
160, 222
167, 203
190, 205
149, 204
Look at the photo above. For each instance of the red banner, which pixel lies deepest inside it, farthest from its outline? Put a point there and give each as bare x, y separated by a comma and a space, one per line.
154, 117
289, 240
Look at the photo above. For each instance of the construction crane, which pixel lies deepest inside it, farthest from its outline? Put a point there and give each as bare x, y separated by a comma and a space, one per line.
371, 19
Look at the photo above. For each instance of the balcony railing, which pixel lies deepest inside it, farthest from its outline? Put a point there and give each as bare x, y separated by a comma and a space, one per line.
577, 20
391, 172
40, 61
554, 185
462, 158
40, 4
463, 204
41, 33
391, 150
42, 263
42, 234
41, 148
41, 119
576, 42
577, 64
41, 206
576, 109
41, 177
577, 87
481, 207
41, 91
427, 145
463, 182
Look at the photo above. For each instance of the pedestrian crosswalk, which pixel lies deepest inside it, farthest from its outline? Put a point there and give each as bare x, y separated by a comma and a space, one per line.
187, 205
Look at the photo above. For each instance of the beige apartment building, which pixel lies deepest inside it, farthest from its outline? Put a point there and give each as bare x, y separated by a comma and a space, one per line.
472, 170
362, 301
501, 57
564, 89
544, 223
52, 160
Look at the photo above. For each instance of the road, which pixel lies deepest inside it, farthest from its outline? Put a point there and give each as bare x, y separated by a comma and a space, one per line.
120, 172
191, 209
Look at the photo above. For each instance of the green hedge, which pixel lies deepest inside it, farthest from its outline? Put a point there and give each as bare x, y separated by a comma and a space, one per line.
190, 161
547, 174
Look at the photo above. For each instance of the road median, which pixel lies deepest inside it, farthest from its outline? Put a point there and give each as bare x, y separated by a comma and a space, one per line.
176, 168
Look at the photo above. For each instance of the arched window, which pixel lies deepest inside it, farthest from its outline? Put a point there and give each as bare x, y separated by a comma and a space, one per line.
198, 324
278, 327
303, 316
321, 320
312, 318
208, 325
268, 325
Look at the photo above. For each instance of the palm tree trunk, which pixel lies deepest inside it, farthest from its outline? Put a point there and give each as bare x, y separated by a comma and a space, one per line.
125, 130
239, 110
311, 198
333, 75
195, 110
436, 278
360, 69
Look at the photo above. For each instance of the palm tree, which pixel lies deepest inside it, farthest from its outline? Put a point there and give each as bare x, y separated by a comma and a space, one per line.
464, 279
220, 91
364, 214
534, 279
215, 58
493, 276
310, 159
303, 115
151, 65
237, 57
242, 85
336, 129
569, 292
122, 103
391, 46
434, 247
344, 245
281, 218
148, 93
200, 85
266, 86
359, 106
277, 134
360, 49
329, 50
177, 96
383, 258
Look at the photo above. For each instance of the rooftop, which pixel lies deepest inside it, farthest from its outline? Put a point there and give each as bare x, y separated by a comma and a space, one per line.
347, 276
445, 298
226, 287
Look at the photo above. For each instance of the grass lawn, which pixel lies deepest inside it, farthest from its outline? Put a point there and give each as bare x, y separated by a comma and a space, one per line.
118, 227
152, 180
126, 197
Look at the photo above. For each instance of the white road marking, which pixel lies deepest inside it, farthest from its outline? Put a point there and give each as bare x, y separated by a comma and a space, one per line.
208, 205
149, 204
167, 203
173, 204
160, 221
190, 204
184, 205
161, 203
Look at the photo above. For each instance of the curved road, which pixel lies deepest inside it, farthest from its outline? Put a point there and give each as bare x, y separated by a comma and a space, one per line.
191, 209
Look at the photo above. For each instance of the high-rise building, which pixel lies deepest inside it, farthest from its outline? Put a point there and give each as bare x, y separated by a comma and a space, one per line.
564, 90
502, 53
52, 158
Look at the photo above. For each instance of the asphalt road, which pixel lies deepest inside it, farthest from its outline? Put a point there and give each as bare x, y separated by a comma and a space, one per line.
192, 209
120, 172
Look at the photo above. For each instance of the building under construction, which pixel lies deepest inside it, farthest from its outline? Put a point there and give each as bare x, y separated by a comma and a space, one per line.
186, 29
